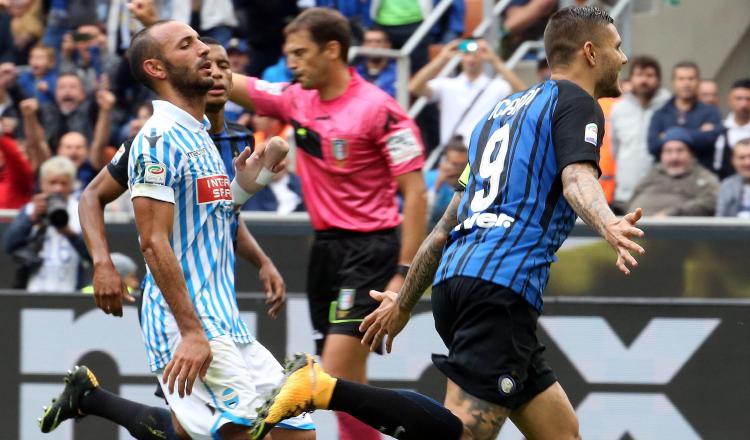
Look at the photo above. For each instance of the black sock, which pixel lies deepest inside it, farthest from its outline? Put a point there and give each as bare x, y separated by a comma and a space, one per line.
142, 422
404, 415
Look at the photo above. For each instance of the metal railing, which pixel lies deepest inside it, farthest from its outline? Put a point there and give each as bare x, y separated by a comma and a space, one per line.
403, 66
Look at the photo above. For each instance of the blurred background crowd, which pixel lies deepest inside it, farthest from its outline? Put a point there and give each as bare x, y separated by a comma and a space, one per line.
68, 101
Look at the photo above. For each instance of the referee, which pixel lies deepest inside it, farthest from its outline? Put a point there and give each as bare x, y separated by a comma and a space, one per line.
356, 148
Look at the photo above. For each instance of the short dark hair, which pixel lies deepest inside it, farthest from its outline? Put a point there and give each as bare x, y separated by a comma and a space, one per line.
457, 145
210, 41
324, 25
743, 83
143, 47
687, 65
63, 73
645, 62
569, 28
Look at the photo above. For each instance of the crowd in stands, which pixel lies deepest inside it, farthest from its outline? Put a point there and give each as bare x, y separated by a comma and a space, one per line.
68, 101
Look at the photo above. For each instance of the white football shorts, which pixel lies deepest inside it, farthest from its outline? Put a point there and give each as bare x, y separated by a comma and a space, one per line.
238, 378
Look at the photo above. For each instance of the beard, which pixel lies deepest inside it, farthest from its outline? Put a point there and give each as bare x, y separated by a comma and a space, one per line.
188, 82
644, 92
608, 85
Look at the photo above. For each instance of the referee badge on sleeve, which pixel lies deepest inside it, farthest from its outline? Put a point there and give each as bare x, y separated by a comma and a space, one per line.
346, 299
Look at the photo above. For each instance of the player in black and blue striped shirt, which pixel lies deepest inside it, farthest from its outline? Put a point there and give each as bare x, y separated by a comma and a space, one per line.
533, 165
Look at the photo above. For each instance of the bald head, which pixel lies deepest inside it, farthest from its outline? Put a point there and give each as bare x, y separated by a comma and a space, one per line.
74, 146
168, 55
144, 46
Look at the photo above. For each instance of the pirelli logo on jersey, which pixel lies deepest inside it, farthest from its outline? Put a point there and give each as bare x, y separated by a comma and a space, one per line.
486, 220
213, 189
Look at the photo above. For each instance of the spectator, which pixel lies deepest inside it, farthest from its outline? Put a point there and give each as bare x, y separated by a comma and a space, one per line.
85, 53
26, 26
278, 72
629, 121
132, 127
282, 196
6, 37
73, 145
39, 81
356, 11
678, 185
71, 111
267, 19
451, 25
16, 175
464, 99
736, 126
45, 238
734, 194
399, 19
708, 92
524, 20
239, 58
441, 183
684, 110
380, 71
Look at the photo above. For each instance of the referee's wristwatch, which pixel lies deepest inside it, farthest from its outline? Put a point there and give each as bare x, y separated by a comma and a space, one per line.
402, 269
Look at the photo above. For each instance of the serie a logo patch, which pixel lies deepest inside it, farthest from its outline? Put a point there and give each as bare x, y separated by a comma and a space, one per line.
155, 173
591, 133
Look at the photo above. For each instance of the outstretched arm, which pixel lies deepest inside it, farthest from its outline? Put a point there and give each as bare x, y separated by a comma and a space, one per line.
239, 92
395, 308
582, 190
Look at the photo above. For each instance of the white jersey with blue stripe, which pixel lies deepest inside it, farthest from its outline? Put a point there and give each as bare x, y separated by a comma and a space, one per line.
173, 159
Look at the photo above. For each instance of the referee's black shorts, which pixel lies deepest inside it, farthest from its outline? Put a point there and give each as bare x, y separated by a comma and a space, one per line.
344, 266
490, 332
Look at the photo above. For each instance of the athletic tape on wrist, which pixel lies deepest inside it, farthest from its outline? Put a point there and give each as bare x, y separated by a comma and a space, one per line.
264, 177
239, 195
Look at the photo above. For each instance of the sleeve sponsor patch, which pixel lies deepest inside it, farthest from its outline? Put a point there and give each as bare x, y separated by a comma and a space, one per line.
403, 146
154, 173
591, 134
213, 189
268, 87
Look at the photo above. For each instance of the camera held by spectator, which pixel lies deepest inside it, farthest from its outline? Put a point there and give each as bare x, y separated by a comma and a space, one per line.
45, 239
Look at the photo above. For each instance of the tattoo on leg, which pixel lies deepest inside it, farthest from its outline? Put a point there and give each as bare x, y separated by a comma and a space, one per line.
486, 419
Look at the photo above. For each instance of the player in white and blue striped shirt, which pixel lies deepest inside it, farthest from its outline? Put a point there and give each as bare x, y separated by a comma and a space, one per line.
184, 208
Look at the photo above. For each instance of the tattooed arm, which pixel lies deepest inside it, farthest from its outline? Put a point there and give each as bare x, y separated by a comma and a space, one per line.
582, 190
395, 308
427, 258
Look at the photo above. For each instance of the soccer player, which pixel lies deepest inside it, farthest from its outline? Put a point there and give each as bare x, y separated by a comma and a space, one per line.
533, 165
144, 422
355, 148
184, 209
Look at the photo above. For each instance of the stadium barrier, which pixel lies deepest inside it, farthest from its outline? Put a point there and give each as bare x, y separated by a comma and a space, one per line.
687, 257
639, 368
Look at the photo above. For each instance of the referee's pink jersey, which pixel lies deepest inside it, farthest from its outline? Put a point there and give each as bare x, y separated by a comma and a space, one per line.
349, 150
